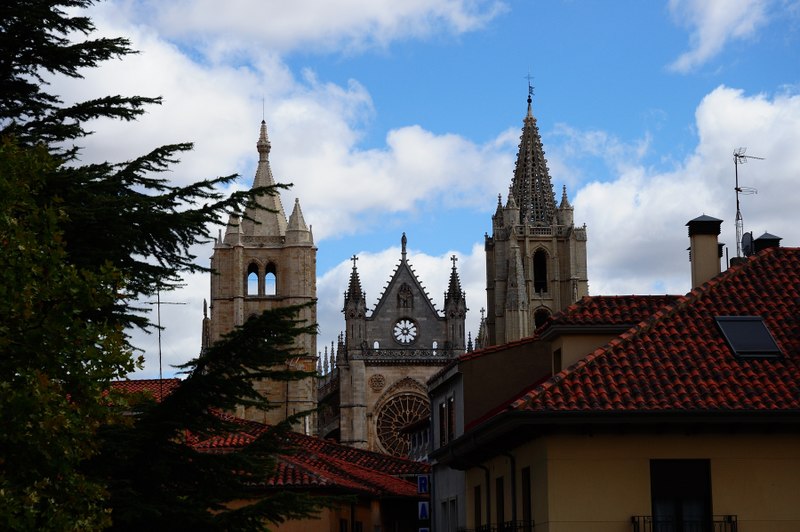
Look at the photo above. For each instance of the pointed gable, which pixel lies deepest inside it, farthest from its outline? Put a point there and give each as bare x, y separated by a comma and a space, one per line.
405, 290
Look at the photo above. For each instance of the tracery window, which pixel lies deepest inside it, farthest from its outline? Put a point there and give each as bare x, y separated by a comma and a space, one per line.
399, 412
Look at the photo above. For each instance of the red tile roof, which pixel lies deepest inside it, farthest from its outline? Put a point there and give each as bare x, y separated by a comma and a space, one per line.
152, 387
610, 310
679, 360
315, 463
325, 464
620, 312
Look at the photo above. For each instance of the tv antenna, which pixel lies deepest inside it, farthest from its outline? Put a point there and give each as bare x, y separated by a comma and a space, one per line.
158, 304
739, 157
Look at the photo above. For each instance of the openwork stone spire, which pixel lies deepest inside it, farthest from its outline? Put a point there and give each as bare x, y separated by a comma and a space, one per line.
531, 185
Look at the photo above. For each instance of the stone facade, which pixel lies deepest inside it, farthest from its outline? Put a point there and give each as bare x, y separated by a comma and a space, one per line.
265, 262
378, 385
536, 256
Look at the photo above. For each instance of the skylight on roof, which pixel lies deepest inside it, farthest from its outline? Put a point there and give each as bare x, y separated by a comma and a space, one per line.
748, 336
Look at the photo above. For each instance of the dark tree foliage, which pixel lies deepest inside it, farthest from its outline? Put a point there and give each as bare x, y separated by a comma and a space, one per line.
54, 364
79, 244
157, 477
35, 38
118, 213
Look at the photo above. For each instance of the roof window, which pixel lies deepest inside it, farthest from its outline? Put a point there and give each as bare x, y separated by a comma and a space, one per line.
748, 336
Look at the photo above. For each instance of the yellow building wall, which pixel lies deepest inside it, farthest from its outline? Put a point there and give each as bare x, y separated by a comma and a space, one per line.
575, 347
596, 483
328, 519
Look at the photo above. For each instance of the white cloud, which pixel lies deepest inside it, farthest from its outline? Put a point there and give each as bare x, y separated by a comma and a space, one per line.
245, 26
713, 24
637, 239
341, 184
314, 128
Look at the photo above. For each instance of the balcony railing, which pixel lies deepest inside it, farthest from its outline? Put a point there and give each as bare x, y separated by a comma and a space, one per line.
508, 526
718, 523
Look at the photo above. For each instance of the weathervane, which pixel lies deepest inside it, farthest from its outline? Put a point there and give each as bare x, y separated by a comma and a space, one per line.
739, 157
530, 86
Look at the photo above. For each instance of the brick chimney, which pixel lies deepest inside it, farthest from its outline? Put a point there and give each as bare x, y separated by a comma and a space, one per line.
704, 249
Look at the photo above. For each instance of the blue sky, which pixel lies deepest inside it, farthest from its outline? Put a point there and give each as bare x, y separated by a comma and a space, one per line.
405, 116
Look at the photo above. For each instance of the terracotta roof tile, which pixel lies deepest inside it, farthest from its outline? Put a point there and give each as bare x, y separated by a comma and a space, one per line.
620, 311
679, 360
323, 463
315, 463
610, 310
153, 387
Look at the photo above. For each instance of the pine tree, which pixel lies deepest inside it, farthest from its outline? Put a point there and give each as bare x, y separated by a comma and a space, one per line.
118, 213
54, 363
81, 243
156, 476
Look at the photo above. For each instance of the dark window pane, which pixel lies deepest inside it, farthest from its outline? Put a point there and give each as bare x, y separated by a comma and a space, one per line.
748, 336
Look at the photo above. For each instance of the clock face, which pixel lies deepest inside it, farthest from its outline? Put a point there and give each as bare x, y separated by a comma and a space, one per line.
405, 331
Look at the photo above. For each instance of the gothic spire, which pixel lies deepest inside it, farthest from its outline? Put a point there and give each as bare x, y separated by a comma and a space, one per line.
268, 218
454, 291
297, 230
354, 291
531, 184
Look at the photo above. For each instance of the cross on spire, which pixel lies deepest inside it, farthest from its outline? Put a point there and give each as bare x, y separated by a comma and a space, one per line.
354, 258
454, 259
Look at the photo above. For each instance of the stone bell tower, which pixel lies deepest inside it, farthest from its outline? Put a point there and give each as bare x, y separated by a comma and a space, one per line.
536, 256
264, 262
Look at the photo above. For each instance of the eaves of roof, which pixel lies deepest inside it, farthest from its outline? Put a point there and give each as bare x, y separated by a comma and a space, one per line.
510, 428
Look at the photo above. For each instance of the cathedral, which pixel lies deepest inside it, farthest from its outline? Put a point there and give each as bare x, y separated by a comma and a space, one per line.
371, 388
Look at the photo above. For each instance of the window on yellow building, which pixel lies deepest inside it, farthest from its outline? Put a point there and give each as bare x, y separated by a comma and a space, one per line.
680, 491
500, 496
476, 506
527, 502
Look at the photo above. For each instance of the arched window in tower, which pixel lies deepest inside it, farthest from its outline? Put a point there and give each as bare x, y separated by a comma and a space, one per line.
251, 287
270, 280
540, 316
540, 271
